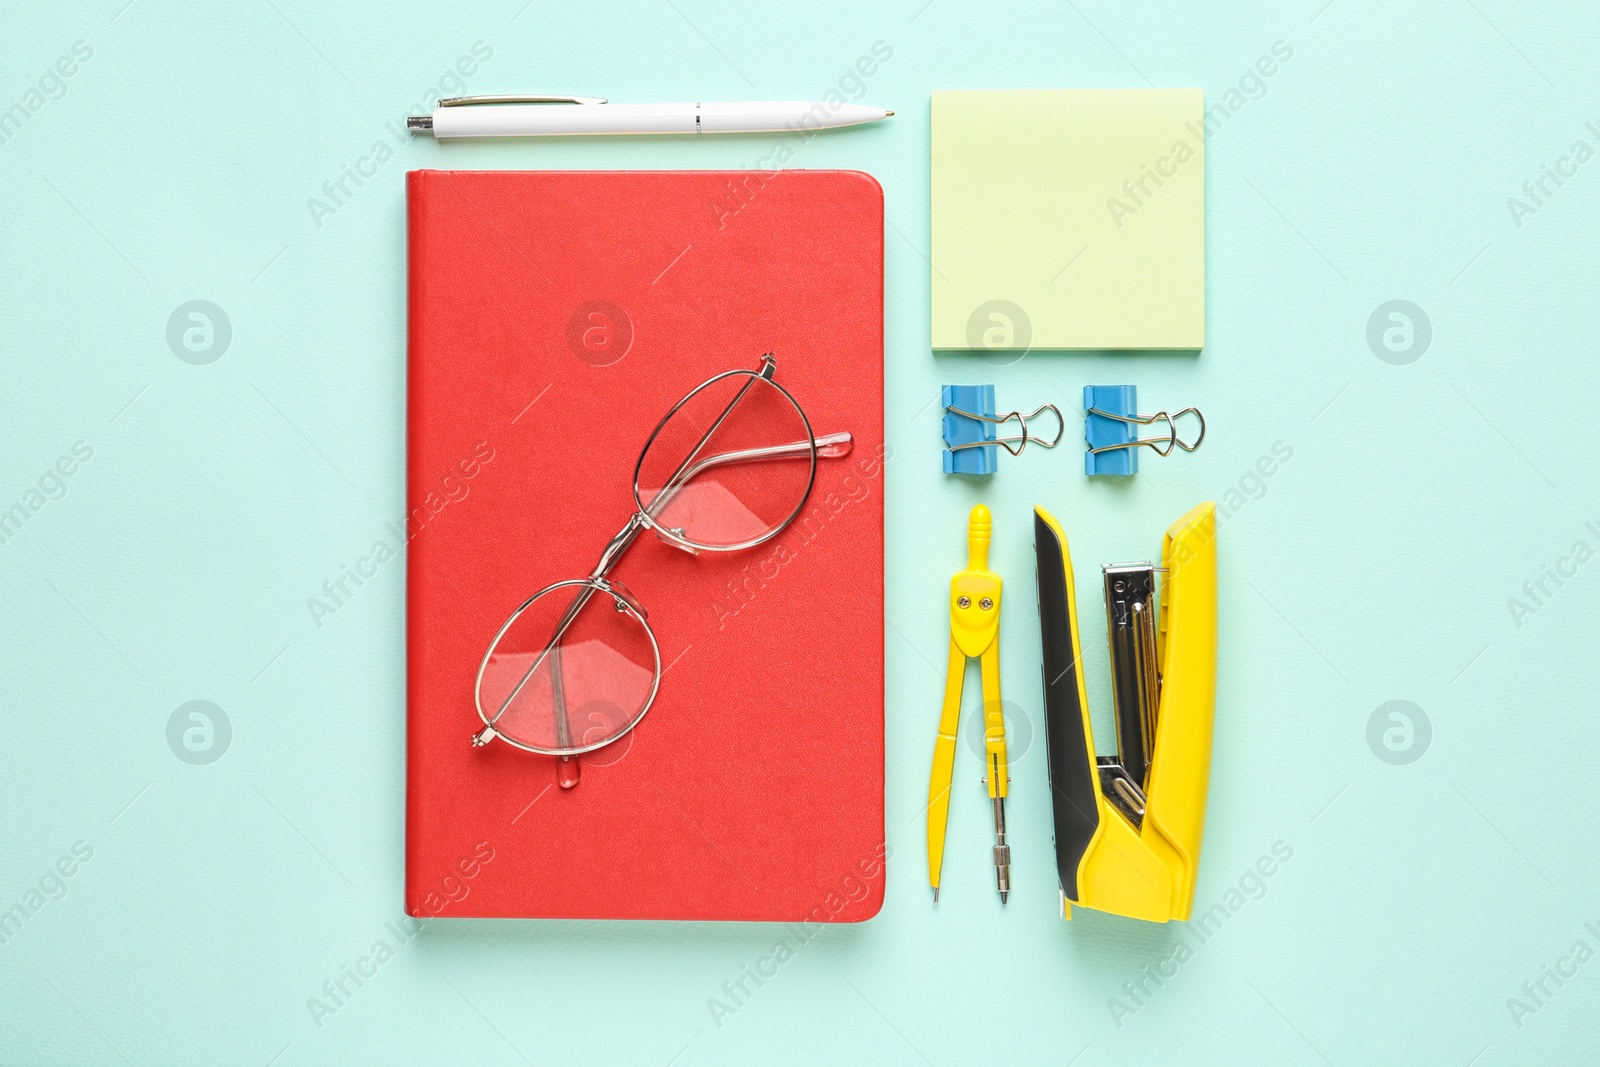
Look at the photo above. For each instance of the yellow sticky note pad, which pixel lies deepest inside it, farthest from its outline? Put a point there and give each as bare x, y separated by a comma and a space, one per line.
1071, 218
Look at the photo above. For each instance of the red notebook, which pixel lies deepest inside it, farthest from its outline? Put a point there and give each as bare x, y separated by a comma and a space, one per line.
554, 318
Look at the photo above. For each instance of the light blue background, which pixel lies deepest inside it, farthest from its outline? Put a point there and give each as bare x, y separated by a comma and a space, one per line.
1374, 565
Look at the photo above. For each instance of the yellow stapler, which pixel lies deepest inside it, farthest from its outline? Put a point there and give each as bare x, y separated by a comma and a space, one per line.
1128, 827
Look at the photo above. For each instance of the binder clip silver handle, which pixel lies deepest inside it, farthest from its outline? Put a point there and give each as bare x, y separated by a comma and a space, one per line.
1163, 445
1015, 444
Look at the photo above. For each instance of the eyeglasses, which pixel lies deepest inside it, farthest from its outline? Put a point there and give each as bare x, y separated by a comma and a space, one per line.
576, 666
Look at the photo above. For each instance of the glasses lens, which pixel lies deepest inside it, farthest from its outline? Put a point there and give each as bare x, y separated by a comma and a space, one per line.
570, 673
730, 466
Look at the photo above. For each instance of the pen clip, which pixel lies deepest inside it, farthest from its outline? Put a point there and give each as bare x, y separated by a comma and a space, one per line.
472, 101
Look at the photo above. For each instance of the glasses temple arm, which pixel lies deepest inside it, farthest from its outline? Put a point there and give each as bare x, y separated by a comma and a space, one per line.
830, 446
558, 697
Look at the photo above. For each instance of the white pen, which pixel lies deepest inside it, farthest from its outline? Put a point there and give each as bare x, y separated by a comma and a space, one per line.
537, 116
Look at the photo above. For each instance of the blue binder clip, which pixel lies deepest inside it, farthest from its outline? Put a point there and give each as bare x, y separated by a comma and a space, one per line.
1111, 416
971, 429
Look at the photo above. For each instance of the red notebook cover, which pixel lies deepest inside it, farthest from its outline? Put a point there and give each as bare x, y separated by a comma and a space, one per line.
554, 318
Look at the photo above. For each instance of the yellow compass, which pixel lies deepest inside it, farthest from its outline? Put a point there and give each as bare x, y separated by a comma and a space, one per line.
974, 633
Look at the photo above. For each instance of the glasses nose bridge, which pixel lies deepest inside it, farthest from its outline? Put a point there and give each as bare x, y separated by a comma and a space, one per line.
617, 546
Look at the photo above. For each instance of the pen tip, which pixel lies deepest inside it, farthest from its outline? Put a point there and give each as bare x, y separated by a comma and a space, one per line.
1002, 896
888, 114
936, 896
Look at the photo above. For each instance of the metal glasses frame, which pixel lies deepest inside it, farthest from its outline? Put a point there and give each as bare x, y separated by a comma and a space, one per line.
644, 518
